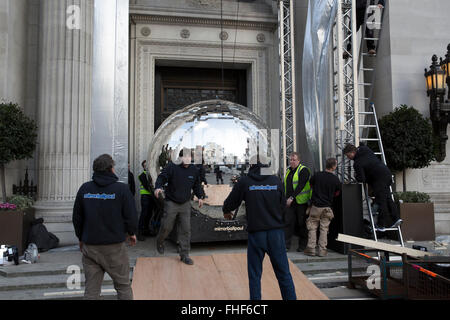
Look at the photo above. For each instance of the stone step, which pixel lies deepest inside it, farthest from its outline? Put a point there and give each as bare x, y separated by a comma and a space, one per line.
302, 258
344, 293
442, 210
108, 293
329, 280
21, 271
310, 268
43, 282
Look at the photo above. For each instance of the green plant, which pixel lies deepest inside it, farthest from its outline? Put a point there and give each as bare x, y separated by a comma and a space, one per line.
21, 202
18, 138
412, 197
407, 139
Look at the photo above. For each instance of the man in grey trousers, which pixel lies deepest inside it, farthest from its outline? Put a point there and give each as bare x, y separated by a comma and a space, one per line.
180, 179
104, 217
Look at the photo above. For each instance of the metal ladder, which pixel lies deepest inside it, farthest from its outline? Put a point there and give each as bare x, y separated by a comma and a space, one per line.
370, 117
366, 98
373, 114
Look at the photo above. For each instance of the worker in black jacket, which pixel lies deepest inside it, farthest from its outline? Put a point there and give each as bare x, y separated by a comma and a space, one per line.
181, 179
326, 186
361, 8
369, 169
264, 202
104, 217
148, 202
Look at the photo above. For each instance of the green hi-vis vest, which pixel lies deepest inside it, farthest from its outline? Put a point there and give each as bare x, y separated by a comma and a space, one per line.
306, 193
142, 190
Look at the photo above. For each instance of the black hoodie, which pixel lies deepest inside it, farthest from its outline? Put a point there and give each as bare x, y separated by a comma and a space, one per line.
104, 211
368, 167
264, 200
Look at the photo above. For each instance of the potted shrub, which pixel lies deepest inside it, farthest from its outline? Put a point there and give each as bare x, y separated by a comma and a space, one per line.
16, 216
407, 140
18, 138
18, 141
408, 144
417, 212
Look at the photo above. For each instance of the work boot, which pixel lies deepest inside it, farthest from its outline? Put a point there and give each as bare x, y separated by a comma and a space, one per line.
186, 260
397, 223
160, 247
310, 252
322, 253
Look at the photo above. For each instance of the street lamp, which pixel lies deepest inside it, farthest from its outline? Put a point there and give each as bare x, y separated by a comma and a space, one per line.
436, 79
445, 65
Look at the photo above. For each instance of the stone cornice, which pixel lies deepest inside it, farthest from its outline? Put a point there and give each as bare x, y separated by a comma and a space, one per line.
144, 42
194, 21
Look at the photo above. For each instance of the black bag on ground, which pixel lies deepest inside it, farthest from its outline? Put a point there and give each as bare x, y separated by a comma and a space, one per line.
40, 236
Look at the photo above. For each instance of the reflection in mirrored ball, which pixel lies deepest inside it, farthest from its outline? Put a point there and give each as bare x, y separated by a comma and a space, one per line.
222, 139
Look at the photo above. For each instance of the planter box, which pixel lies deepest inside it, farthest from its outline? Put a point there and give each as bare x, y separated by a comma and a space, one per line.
14, 227
418, 221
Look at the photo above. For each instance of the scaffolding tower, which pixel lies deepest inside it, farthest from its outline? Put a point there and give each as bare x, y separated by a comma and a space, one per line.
345, 85
287, 80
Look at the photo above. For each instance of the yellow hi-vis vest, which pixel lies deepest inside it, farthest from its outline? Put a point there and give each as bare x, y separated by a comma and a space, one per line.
306, 193
142, 190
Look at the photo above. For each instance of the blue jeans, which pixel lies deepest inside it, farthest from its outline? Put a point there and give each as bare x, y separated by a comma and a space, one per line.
272, 243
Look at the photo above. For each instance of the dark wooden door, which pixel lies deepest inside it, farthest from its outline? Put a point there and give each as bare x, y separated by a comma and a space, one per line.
177, 88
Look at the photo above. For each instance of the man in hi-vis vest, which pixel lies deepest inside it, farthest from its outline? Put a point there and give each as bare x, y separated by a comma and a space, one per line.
298, 193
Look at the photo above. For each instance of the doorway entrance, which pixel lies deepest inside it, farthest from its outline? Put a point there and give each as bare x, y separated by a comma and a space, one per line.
179, 87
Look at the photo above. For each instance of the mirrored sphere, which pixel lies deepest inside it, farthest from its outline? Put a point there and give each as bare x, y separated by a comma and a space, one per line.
223, 138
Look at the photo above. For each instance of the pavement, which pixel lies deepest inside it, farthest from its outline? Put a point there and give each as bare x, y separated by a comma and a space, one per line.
54, 274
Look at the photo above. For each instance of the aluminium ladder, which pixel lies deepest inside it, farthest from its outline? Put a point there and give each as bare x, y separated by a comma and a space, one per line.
348, 95
373, 114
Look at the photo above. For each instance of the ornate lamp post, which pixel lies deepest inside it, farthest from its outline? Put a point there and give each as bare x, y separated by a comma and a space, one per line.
436, 79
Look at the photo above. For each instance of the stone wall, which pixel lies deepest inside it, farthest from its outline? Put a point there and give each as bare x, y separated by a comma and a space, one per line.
186, 33
413, 32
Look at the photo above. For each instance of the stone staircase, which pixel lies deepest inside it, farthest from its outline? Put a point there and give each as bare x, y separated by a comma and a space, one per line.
47, 280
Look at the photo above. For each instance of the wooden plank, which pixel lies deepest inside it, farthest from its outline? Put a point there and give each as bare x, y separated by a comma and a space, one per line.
382, 246
167, 278
216, 277
232, 269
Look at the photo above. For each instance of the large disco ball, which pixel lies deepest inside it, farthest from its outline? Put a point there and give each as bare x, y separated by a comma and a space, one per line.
223, 137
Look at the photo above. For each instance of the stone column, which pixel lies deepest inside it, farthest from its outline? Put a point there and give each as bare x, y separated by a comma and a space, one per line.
64, 106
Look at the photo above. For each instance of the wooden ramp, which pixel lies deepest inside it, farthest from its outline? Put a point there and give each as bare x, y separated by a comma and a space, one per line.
215, 277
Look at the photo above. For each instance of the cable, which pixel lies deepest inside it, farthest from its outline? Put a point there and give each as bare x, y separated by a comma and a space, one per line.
235, 33
221, 41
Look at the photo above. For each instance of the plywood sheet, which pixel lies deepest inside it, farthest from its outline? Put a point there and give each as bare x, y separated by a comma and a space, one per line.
167, 278
382, 246
216, 277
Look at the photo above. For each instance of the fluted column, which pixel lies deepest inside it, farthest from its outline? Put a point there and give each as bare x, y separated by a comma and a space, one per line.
64, 109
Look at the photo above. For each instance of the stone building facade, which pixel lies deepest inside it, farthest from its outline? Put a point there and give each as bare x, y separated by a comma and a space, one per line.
180, 50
